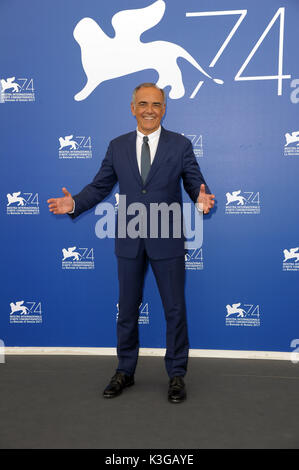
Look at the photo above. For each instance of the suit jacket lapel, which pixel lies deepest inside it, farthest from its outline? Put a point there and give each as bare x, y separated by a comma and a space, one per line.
133, 157
158, 160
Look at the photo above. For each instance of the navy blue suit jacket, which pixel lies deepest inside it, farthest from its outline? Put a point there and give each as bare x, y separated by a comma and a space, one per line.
174, 161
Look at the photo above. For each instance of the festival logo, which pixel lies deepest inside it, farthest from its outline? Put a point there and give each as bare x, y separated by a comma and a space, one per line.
242, 315
143, 318
22, 203
291, 259
105, 58
77, 258
196, 140
25, 312
242, 204
13, 90
75, 147
194, 260
291, 147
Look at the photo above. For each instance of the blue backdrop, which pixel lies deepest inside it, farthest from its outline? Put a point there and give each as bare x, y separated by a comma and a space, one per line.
241, 283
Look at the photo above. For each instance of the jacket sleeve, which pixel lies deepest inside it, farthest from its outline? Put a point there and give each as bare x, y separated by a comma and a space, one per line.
99, 188
192, 176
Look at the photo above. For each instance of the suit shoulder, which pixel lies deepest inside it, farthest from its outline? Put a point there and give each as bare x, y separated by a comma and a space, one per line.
122, 138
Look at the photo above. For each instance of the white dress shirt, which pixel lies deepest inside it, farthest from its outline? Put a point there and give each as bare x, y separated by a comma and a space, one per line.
153, 140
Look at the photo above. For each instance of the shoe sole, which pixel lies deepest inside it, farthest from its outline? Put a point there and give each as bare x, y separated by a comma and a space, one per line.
179, 400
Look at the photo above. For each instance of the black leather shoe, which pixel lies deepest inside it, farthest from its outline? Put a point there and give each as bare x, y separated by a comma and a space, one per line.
118, 382
176, 390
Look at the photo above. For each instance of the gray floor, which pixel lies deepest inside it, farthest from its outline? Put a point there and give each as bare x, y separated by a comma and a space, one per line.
55, 402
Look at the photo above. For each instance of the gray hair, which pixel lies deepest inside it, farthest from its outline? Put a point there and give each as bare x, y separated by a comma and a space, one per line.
148, 85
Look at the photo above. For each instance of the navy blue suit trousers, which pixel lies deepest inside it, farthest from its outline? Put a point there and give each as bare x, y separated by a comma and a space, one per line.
170, 278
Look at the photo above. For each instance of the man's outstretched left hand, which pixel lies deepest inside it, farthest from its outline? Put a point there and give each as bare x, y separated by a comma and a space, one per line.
206, 201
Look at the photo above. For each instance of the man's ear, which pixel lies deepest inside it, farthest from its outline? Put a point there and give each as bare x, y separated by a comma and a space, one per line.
133, 109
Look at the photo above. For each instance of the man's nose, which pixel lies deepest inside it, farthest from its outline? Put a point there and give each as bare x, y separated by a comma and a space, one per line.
149, 108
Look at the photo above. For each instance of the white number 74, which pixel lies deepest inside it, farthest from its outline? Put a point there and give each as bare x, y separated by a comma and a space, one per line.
239, 77
280, 13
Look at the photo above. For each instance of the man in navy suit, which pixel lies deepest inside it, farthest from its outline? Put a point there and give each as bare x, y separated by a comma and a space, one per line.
149, 165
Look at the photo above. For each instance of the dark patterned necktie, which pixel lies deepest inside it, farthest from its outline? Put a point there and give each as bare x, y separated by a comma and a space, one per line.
145, 159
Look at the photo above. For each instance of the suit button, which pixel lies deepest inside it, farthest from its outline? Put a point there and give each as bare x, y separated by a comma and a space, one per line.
143, 191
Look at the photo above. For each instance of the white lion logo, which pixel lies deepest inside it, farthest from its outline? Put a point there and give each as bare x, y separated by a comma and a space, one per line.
67, 142
15, 197
292, 253
70, 253
235, 197
234, 308
8, 83
105, 58
18, 307
292, 138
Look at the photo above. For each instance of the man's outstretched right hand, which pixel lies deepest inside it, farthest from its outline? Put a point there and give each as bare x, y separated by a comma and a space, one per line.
61, 205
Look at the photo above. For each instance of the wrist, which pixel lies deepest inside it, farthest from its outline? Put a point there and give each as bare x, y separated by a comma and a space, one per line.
73, 207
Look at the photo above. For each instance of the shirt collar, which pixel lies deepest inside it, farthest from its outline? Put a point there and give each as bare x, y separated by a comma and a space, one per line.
151, 136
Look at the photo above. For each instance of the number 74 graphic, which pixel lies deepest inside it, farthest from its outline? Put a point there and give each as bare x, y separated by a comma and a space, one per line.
280, 14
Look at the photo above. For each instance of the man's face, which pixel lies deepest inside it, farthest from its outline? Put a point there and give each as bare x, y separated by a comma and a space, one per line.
148, 109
